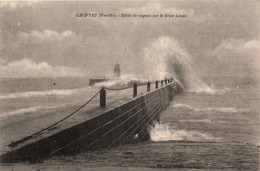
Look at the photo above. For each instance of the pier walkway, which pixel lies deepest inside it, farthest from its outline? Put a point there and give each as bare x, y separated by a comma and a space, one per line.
15, 128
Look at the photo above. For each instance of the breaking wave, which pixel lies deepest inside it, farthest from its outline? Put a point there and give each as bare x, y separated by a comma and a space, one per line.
19, 111
166, 57
210, 90
34, 109
29, 94
218, 109
162, 132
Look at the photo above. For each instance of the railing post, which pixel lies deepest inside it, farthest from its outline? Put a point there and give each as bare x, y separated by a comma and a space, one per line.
103, 97
165, 81
148, 86
156, 84
135, 90
162, 83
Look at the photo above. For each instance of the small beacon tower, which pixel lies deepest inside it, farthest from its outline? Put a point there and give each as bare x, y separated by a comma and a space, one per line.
117, 70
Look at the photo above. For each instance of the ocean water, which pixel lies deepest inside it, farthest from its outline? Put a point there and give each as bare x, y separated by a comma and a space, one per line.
210, 129
19, 96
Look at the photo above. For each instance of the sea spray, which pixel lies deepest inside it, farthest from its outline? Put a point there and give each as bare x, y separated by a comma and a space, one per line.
165, 57
163, 132
123, 81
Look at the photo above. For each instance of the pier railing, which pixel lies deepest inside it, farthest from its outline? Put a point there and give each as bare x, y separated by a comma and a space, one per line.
134, 86
102, 104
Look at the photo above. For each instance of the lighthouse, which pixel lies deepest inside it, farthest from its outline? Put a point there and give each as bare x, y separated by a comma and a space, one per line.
117, 70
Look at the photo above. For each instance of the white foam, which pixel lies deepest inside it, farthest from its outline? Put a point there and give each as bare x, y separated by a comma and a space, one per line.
35, 109
218, 109
29, 94
19, 111
162, 132
197, 120
209, 90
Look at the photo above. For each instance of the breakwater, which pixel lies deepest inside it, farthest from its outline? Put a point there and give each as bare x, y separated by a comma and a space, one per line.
93, 81
124, 124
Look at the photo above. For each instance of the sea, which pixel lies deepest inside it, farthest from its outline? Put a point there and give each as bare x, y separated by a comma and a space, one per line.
215, 129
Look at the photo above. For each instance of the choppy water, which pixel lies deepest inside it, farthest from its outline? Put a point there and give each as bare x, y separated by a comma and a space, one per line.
211, 129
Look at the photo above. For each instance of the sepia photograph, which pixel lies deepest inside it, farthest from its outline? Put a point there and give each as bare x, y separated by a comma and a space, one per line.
129, 85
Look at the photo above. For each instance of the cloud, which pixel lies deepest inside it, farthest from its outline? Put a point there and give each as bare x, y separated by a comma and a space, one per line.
27, 68
2, 62
14, 5
11, 5
241, 48
252, 45
67, 37
48, 34
56, 48
239, 56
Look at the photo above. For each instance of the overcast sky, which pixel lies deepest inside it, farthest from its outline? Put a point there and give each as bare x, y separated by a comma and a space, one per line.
47, 39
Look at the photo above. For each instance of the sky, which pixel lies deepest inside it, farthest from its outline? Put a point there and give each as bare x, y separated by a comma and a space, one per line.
46, 39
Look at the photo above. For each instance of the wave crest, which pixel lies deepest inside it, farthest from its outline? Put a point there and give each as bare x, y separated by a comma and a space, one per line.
29, 94
162, 132
166, 57
218, 109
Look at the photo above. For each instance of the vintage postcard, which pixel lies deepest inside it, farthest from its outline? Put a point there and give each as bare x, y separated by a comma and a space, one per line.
129, 85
